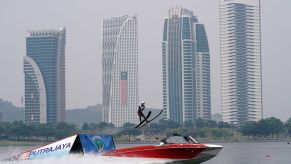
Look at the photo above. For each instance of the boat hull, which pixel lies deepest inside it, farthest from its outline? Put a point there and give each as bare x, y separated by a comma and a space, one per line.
180, 153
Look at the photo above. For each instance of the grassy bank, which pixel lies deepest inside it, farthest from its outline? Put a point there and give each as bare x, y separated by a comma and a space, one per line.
20, 143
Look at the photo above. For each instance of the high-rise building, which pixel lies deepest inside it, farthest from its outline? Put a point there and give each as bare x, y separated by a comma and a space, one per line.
186, 67
240, 49
203, 90
120, 70
44, 71
1, 116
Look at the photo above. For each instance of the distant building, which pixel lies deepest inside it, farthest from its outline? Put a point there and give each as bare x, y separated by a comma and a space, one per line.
240, 49
186, 67
203, 90
120, 70
44, 70
1, 117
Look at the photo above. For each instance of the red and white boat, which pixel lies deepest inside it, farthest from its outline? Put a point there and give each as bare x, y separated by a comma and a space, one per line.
184, 149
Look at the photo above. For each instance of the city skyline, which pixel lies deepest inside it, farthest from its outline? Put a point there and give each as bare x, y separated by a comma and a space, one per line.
83, 22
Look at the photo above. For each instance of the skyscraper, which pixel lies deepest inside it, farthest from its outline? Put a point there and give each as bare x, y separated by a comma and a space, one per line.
120, 70
44, 71
240, 48
186, 67
203, 84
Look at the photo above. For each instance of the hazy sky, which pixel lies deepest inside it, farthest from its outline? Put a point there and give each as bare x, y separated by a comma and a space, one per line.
83, 20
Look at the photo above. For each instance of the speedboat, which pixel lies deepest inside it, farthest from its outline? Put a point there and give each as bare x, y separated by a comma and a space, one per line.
175, 148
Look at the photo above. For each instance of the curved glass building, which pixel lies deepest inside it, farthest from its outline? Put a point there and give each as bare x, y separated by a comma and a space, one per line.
120, 70
44, 72
240, 49
186, 67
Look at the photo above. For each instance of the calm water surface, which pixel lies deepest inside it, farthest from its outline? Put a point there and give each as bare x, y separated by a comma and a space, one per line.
232, 153
253, 153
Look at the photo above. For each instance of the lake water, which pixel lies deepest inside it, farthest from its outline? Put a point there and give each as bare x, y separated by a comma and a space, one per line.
232, 153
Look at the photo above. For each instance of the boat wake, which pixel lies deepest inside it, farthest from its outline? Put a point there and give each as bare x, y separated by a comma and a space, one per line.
75, 159
70, 159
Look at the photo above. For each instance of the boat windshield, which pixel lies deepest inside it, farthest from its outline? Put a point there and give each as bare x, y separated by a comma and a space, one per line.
176, 139
179, 140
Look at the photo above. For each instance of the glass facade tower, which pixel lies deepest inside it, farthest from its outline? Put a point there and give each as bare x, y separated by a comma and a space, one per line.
240, 49
120, 70
44, 72
186, 67
203, 90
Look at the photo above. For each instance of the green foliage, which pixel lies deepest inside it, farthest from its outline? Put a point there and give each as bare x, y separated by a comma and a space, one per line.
200, 133
217, 133
155, 125
288, 126
249, 129
64, 129
263, 128
181, 131
201, 123
268, 127
188, 124
128, 125
164, 124
104, 125
19, 130
222, 124
129, 131
99, 126
85, 126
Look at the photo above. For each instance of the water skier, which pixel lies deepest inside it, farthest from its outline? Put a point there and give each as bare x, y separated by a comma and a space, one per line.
141, 108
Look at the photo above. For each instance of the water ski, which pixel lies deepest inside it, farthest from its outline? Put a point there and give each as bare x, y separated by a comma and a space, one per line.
143, 120
141, 125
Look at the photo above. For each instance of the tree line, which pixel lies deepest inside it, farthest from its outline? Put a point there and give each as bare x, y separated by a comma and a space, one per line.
18, 130
269, 127
265, 128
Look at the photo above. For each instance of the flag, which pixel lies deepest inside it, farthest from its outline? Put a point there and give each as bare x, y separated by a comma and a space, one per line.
123, 88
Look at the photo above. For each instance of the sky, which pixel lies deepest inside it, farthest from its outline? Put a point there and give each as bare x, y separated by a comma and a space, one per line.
83, 22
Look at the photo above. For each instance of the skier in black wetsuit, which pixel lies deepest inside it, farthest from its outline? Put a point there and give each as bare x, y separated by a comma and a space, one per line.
141, 107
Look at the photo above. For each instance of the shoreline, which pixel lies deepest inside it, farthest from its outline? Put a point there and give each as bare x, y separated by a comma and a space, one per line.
7, 143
